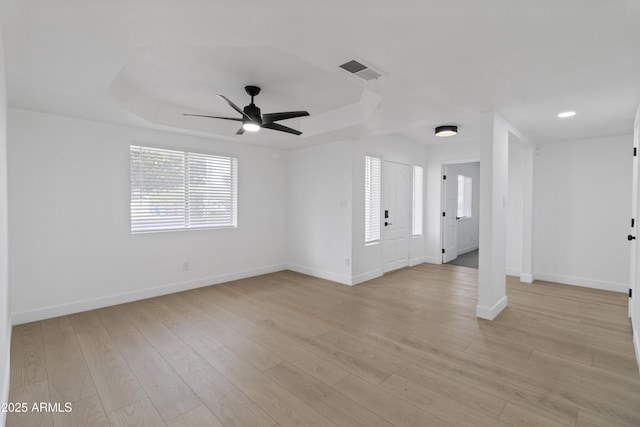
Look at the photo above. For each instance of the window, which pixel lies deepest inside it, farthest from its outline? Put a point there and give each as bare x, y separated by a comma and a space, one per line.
177, 190
416, 222
465, 192
373, 172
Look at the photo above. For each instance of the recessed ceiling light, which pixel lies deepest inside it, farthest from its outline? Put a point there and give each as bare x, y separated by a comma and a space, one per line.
567, 114
448, 130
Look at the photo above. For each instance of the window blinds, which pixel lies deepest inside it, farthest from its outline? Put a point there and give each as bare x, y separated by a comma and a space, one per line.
464, 197
416, 223
373, 172
173, 190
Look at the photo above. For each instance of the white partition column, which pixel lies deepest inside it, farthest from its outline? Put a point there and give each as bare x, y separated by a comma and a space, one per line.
526, 274
494, 160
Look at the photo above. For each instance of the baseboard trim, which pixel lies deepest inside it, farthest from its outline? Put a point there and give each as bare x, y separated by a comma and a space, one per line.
468, 249
585, 283
365, 277
415, 261
433, 260
512, 272
4, 393
321, 274
490, 313
94, 303
527, 278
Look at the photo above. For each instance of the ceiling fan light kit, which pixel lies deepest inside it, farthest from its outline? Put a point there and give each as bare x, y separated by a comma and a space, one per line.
446, 130
253, 120
251, 127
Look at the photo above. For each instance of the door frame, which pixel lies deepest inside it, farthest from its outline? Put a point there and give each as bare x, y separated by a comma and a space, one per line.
443, 166
444, 219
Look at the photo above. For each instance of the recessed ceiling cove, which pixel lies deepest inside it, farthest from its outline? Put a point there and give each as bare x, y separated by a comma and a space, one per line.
160, 84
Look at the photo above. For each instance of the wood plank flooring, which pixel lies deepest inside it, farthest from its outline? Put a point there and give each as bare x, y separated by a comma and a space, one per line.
286, 349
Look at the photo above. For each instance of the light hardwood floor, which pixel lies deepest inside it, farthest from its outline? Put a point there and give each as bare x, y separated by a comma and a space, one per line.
287, 349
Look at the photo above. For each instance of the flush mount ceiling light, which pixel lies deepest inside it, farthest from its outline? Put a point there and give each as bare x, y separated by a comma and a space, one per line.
448, 130
566, 114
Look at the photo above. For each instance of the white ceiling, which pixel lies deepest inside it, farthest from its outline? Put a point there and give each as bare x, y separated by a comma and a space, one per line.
145, 62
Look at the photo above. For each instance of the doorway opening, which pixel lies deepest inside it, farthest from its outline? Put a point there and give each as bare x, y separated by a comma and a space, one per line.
461, 214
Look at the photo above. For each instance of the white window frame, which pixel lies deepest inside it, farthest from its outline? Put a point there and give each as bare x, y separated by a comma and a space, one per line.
372, 199
417, 210
192, 201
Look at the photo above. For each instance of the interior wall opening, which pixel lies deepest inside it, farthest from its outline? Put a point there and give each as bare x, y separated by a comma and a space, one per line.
461, 214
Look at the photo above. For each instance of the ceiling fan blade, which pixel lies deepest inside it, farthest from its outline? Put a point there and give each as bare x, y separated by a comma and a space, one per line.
214, 117
234, 106
274, 117
240, 131
275, 126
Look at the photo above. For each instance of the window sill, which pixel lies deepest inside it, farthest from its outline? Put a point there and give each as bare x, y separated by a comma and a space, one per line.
172, 230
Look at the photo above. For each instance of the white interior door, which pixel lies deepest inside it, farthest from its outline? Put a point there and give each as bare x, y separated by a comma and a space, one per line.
449, 222
634, 215
634, 304
396, 214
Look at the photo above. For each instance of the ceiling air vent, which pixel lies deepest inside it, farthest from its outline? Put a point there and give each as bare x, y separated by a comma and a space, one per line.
357, 68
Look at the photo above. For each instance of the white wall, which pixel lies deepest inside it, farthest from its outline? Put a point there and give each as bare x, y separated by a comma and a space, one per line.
468, 229
515, 209
70, 244
582, 214
367, 259
448, 152
319, 211
5, 312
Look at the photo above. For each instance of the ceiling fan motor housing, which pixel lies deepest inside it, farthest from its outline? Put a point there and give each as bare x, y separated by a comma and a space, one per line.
254, 112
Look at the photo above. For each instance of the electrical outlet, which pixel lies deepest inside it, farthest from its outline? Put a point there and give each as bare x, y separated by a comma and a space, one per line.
186, 266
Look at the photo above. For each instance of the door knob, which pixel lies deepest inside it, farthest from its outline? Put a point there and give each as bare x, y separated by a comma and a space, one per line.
388, 223
630, 237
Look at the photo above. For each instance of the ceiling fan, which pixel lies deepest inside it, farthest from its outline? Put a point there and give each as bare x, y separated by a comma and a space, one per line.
252, 120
